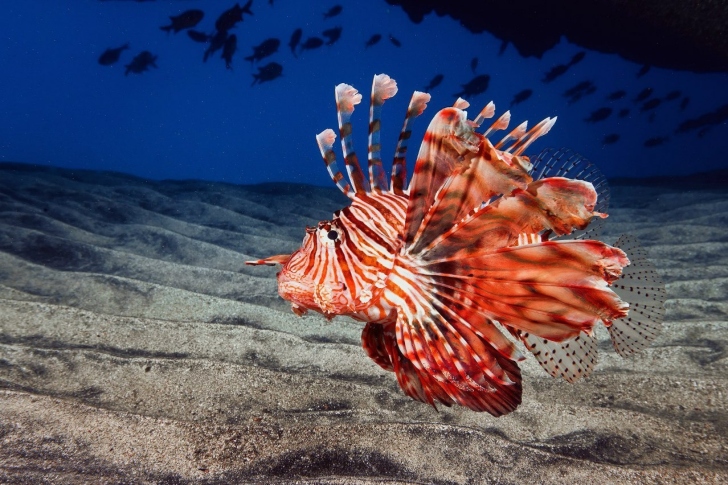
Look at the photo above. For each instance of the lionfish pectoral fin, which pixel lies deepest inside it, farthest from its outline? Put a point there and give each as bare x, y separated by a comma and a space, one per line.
270, 260
570, 359
641, 286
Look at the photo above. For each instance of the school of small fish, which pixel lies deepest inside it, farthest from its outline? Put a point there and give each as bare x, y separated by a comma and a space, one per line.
480, 250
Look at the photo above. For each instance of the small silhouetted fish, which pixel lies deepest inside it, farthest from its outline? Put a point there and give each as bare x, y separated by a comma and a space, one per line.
373, 40
269, 72
295, 39
643, 70
475, 86
599, 115
333, 12
394, 41
655, 141
198, 36
611, 138
332, 35
684, 103
644, 94
578, 91
672, 95
705, 121
503, 47
217, 42
578, 57
185, 20
623, 112
264, 49
232, 16
473, 64
650, 104
141, 63
312, 43
554, 73
110, 56
231, 44
521, 96
617, 95
434, 82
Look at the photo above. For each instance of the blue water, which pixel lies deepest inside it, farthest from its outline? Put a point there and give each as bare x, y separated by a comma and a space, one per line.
188, 119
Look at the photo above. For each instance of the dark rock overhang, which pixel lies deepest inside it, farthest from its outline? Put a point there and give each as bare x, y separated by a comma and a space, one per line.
672, 34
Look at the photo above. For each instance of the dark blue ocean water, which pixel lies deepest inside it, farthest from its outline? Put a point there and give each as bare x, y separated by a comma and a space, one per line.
186, 118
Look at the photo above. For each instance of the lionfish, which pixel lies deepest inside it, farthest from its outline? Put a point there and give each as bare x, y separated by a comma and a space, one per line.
481, 244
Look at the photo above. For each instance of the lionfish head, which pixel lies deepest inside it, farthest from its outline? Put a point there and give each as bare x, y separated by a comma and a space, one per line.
311, 277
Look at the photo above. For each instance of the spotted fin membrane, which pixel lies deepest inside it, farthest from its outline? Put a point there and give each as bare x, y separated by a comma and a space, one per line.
639, 285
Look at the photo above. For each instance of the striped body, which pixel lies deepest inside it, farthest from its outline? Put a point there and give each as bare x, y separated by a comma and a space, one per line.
444, 270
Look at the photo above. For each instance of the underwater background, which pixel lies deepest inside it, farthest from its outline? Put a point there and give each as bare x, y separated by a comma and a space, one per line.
149, 148
636, 115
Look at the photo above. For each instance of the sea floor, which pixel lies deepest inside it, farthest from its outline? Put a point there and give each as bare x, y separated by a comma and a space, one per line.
136, 347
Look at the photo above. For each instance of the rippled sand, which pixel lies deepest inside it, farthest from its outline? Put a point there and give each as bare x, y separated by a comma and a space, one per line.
136, 347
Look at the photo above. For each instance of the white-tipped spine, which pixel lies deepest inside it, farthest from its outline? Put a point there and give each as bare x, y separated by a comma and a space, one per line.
487, 112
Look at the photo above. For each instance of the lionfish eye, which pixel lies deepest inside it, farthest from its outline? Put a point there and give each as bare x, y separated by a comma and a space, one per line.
333, 235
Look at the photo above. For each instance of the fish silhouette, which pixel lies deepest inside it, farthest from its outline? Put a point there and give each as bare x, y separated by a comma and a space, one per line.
394, 41
503, 47
312, 43
266, 73
110, 56
578, 57
434, 82
521, 96
684, 103
616, 95
655, 141
643, 70
333, 11
705, 121
672, 95
624, 112
644, 94
264, 49
228, 49
477, 85
650, 105
332, 34
295, 39
554, 73
141, 63
374, 39
217, 42
185, 20
599, 115
578, 91
198, 36
232, 16
610, 139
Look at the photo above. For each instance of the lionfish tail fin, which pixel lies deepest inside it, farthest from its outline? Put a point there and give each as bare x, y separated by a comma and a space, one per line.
641, 286
383, 88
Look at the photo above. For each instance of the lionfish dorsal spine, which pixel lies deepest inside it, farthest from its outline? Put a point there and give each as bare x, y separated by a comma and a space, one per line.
543, 127
383, 88
515, 134
325, 141
346, 98
487, 112
500, 124
416, 107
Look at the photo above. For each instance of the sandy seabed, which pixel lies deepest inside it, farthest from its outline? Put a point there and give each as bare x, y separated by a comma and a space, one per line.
136, 347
